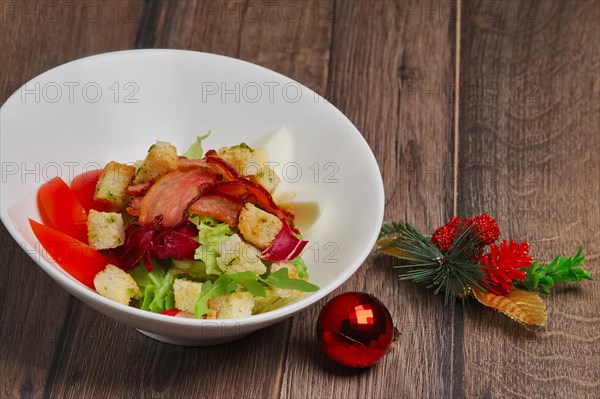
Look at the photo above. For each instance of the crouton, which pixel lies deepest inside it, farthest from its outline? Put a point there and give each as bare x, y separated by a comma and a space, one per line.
186, 294
261, 155
232, 306
242, 158
138, 164
111, 185
105, 229
237, 256
258, 227
212, 314
162, 158
113, 283
250, 163
285, 200
292, 273
267, 178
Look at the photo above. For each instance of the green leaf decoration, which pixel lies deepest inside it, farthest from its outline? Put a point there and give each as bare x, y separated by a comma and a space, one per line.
542, 276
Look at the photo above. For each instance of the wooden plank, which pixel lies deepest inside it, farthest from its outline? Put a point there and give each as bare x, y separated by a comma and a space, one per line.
33, 311
34, 37
388, 73
529, 149
289, 37
250, 367
105, 359
37, 36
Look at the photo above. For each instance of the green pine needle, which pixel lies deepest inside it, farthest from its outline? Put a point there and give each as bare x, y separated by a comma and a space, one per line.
542, 277
451, 272
391, 228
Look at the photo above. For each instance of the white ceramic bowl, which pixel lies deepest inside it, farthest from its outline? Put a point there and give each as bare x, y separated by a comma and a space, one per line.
112, 106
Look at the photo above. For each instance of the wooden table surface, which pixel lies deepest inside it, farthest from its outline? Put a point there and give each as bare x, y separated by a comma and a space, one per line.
496, 111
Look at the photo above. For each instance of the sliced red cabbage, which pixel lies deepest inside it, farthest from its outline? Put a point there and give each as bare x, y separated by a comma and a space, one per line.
285, 247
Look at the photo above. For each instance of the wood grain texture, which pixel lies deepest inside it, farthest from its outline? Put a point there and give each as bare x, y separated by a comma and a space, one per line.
384, 61
529, 150
294, 44
35, 37
105, 359
30, 323
38, 35
289, 37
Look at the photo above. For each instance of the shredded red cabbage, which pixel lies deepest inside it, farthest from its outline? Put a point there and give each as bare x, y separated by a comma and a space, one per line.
178, 242
147, 242
286, 246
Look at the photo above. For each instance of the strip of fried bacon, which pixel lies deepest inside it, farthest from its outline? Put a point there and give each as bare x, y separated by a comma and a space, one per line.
171, 196
219, 206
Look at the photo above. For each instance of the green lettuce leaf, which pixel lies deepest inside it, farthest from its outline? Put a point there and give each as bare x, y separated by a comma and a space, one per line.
164, 297
156, 287
149, 292
270, 302
143, 279
211, 234
195, 151
300, 266
280, 279
195, 269
221, 286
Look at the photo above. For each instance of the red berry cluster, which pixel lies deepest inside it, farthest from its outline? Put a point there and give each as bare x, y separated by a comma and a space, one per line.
487, 228
502, 265
443, 237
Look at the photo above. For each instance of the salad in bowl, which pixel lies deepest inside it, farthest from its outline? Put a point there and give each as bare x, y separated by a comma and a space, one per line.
316, 151
197, 235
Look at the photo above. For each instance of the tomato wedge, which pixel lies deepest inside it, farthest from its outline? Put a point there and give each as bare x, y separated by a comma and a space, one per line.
79, 260
64, 209
171, 312
84, 188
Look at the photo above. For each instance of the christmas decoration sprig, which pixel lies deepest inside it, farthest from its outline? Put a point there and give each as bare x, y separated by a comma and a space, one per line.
449, 271
463, 259
541, 276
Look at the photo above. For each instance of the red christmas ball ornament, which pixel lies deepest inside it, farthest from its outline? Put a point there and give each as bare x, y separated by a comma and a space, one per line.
355, 329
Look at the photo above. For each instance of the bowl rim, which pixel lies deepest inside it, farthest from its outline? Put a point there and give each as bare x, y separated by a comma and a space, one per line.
90, 296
